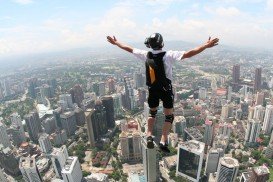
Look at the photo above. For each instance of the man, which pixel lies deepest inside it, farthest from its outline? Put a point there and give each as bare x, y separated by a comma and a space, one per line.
154, 71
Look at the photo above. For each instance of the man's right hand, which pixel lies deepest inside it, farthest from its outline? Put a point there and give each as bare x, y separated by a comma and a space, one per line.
112, 40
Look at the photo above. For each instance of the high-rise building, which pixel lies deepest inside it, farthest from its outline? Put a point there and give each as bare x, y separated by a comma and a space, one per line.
208, 136
225, 129
224, 112
4, 138
157, 129
259, 113
58, 158
141, 96
150, 162
259, 98
258, 79
130, 143
59, 137
68, 121
227, 169
229, 94
33, 125
236, 73
9, 161
77, 94
80, 118
71, 171
190, 159
138, 80
90, 130
253, 131
268, 119
32, 84
220, 141
45, 143
117, 104
259, 174
57, 115
108, 103
111, 85
65, 101
29, 169
202, 93
212, 161
179, 125
102, 90
16, 135
17, 121
49, 124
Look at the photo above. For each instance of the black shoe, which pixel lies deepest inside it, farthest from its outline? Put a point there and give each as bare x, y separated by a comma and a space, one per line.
150, 142
164, 148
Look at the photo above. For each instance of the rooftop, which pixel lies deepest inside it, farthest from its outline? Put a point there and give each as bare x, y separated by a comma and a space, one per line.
260, 170
229, 162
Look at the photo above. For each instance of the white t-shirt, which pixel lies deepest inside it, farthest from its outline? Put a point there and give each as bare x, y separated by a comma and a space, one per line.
169, 58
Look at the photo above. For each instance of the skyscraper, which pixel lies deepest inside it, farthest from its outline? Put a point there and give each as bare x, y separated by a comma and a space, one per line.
258, 79
268, 119
90, 130
227, 169
253, 131
77, 94
212, 161
58, 158
49, 124
32, 84
71, 171
17, 121
45, 144
208, 136
108, 103
179, 125
4, 138
65, 101
259, 174
29, 169
236, 73
33, 125
68, 121
259, 98
259, 113
80, 118
190, 159
202, 94
150, 162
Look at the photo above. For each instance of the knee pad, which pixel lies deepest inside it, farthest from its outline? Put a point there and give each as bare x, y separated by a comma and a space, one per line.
169, 118
153, 113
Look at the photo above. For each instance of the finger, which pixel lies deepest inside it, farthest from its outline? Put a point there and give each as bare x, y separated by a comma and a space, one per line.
216, 44
209, 38
114, 38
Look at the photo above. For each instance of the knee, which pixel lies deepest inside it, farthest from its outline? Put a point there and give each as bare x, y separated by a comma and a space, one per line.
169, 118
153, 113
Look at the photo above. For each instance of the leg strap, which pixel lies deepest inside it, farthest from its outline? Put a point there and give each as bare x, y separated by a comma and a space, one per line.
153, 113
169, 118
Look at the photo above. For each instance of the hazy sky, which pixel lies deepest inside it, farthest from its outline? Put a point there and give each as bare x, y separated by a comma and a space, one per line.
33, 26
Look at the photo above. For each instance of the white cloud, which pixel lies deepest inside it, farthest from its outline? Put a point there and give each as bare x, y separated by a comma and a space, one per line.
23, 1
269, 4
224, 12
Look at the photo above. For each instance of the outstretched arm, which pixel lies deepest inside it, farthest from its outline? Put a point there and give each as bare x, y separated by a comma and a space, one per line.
210, 43
114, 41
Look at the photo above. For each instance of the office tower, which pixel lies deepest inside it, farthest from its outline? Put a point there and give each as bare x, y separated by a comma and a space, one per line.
244, 107
253, 131
49, 125
68, 121
202, 93
212, 161
45, 91
208, 135
71, 171
138, 80
259, 174
95, 88
258, 79
90, 130
65, 101
130, 143
220, 141
239, 114
141, 96
57, 115
9, 161
236, 73
45, 144
59, 137
108, 103
227, 169
102, 90
268, 119
224, 112
193, 133
160, 119
259, 113
150, 162
111, 85
229, 94
29, 169
259, 98
179, 125
2, 176
117, 104
58, 158
17, 121
80, 118
225, 129
32, 84
4, 138
16, 134
33, 125
77, 95
190, 159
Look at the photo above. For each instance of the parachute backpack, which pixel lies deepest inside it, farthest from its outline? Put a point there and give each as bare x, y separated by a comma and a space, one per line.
155, 72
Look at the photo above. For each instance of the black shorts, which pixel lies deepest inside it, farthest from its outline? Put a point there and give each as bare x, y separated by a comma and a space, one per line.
161, 94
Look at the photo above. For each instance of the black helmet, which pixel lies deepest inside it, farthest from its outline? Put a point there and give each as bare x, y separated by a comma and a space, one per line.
155, 41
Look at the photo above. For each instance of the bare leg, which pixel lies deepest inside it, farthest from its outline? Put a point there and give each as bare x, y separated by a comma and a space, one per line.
166, 126
151, 122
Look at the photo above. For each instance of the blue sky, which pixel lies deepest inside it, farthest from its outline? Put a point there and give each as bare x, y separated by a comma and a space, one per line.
33, 26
